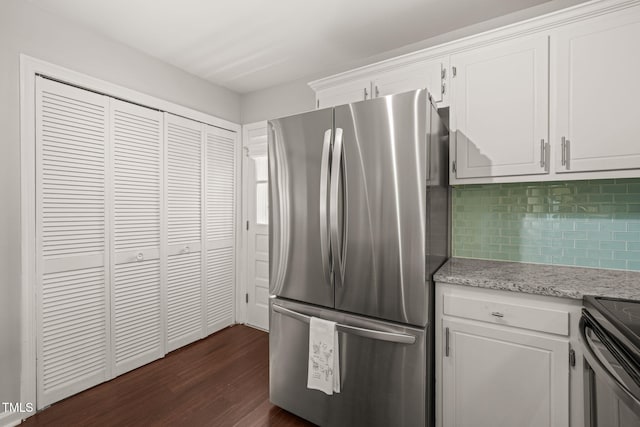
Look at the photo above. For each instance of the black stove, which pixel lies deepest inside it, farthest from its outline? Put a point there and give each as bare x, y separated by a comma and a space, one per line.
610, 331
620, 318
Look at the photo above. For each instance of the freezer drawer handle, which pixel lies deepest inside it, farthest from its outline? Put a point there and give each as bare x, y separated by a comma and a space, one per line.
353, 330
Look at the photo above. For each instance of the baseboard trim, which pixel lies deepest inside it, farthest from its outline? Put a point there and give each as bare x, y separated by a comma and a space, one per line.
10, 419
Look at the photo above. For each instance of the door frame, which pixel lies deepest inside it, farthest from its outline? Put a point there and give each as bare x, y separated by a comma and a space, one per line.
252, 134
31, 67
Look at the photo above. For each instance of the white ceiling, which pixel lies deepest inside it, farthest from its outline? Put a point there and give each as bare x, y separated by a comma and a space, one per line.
247, 45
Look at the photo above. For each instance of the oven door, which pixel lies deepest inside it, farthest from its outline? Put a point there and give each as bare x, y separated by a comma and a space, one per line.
612, 380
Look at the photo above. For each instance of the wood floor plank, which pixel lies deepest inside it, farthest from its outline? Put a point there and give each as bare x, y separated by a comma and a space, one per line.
222, 380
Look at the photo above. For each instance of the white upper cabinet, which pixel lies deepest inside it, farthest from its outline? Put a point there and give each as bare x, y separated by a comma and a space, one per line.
499, 112
597, 67
429, 74
354, 91
550, 98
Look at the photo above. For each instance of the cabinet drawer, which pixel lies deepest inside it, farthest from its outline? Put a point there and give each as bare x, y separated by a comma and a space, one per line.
505, 313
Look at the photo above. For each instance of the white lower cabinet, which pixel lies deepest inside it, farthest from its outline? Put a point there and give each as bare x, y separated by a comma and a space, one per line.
496, 377
505, 360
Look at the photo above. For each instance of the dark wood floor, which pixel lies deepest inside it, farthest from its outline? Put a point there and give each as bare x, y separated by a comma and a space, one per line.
222, 380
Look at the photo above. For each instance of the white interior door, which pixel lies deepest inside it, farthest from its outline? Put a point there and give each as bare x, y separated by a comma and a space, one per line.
183, 178
71, 229
220, 194
258, 237
136, 291
255, 189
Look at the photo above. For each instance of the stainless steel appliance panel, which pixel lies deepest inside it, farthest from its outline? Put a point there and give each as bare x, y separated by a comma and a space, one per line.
383, 369
380, 246
298, 226
612, 387
438, 196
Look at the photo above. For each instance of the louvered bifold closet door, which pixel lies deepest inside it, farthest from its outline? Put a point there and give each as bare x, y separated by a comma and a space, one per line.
220, 173
72, 260
183, 177
136, 296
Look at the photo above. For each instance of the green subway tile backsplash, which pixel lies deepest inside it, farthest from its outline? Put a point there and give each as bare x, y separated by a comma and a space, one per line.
581, 223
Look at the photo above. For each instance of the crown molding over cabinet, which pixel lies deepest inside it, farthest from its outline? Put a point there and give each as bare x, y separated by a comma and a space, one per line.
549, 148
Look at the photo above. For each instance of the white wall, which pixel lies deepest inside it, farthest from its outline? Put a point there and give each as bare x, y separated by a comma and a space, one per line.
24, 28
277, 101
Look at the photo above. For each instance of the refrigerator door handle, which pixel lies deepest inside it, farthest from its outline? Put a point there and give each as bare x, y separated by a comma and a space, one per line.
353, 330
336, 246
324, 233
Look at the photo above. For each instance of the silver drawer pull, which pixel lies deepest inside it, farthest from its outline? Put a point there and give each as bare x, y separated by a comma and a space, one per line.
497, 314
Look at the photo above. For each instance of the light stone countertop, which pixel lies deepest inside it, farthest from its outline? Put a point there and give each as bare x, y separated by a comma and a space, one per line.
550, 280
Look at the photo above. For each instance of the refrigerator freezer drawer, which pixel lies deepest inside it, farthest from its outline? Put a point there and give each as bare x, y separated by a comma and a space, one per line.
383, 369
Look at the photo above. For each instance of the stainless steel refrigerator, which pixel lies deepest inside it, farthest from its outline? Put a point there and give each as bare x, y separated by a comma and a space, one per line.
358, 224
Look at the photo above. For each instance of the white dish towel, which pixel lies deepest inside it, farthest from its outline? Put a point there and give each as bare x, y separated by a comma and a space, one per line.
324, 356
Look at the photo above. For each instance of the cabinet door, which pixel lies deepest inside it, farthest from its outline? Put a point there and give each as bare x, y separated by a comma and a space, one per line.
358, 90
72, 231
430, 75
183, 178
498, 377
220, 183
597, 93
136, 309
499, 111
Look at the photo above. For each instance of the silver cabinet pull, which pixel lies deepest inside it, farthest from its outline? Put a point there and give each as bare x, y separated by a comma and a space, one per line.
446, 342
139, 256
353, 330
377, 91
497, 314
565, 152
366, 93
542, 153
